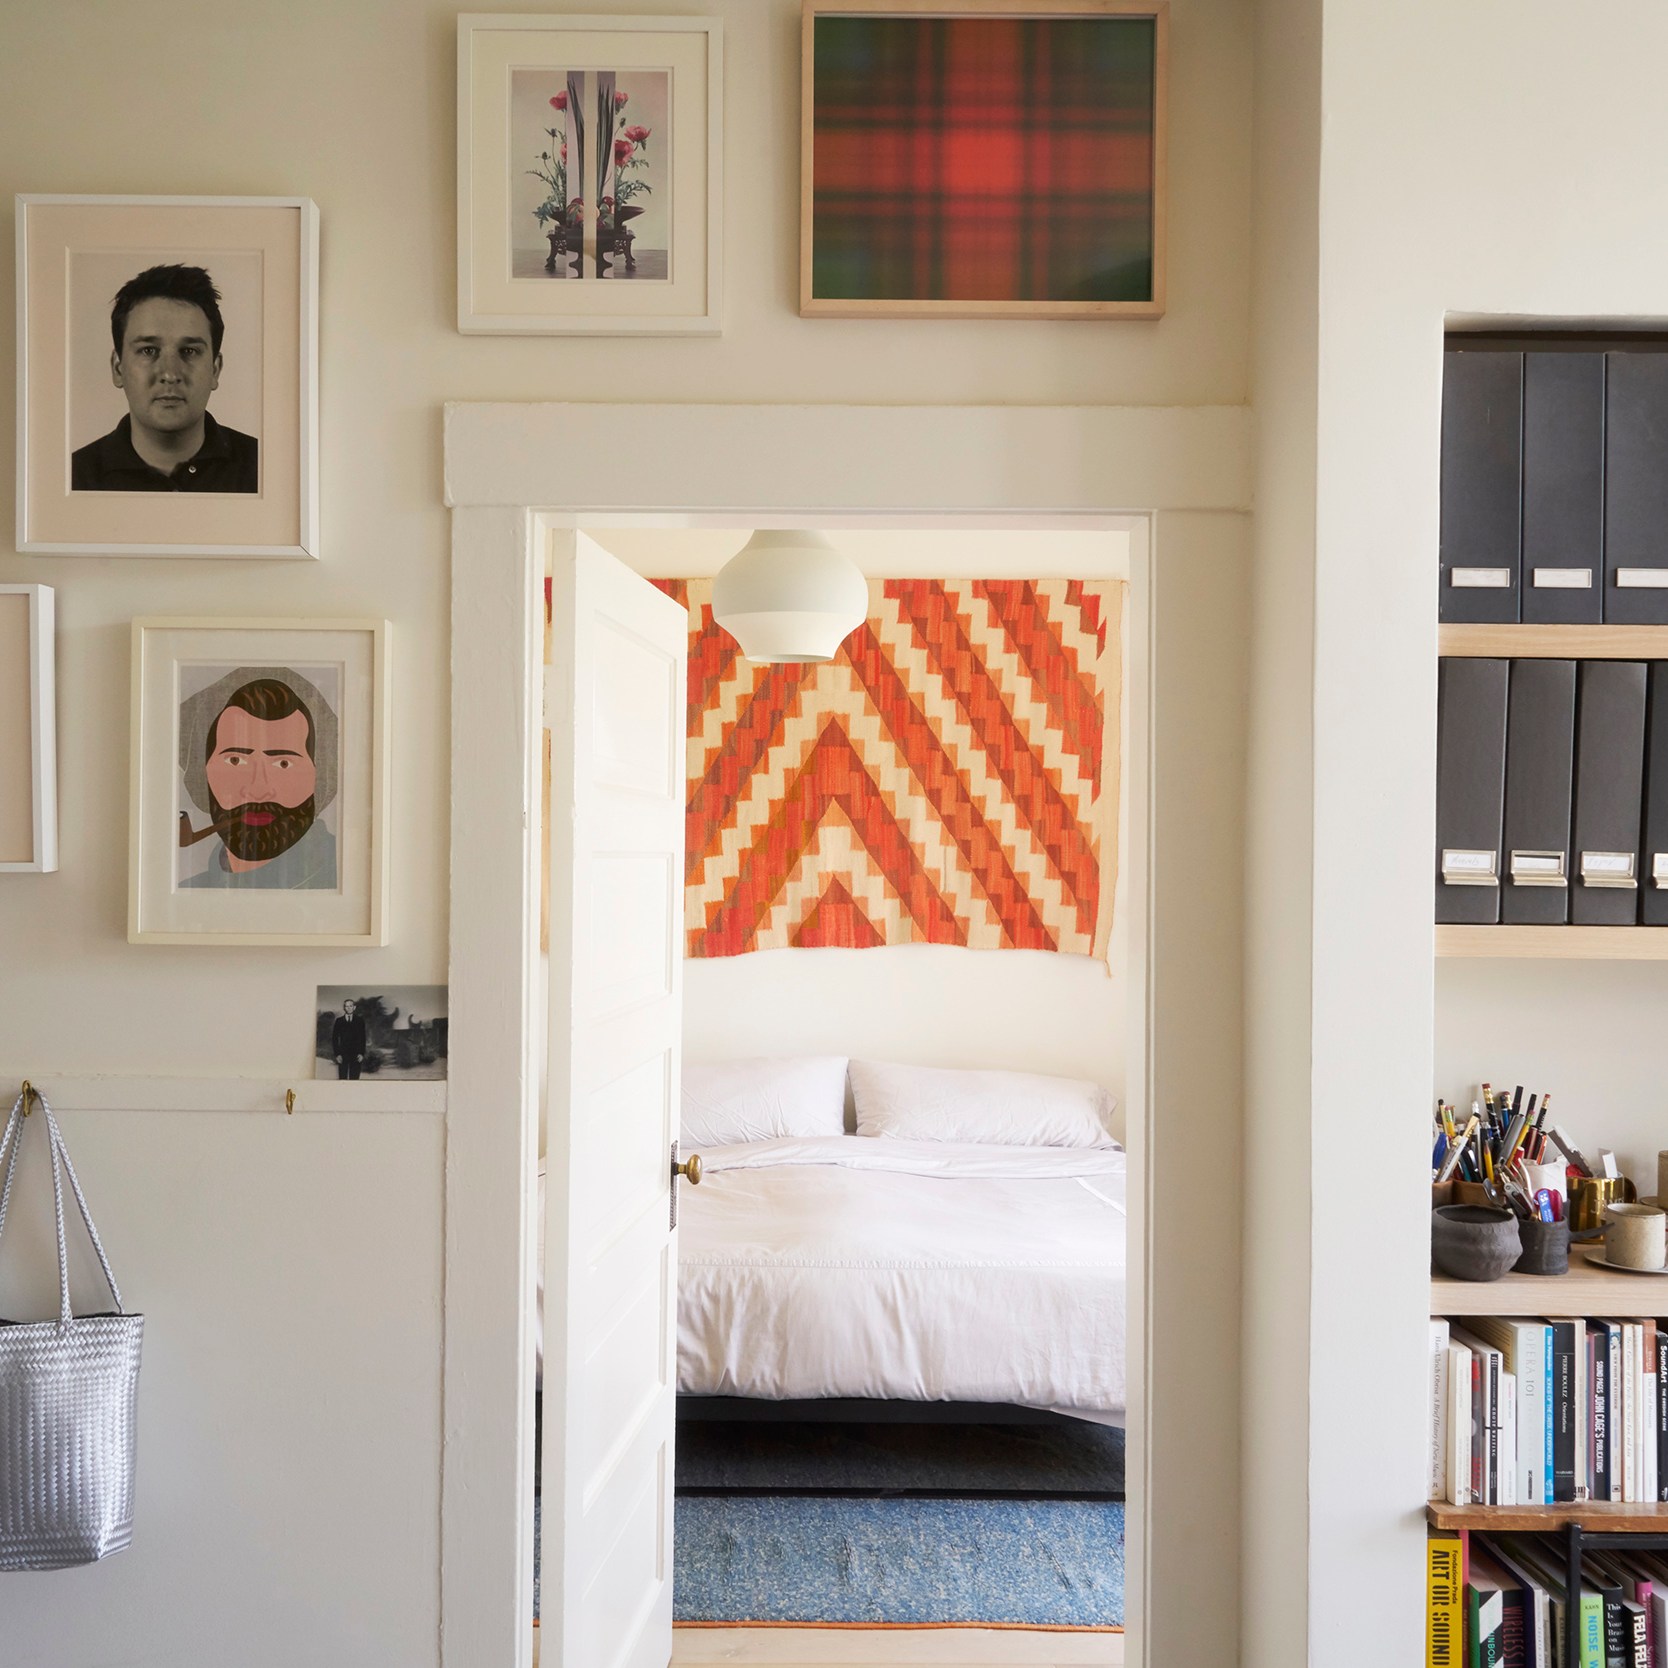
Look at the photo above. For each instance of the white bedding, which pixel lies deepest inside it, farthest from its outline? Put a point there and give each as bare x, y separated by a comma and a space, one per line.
911, 1270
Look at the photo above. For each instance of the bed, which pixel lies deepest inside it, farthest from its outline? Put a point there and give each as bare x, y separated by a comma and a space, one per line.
818, 1269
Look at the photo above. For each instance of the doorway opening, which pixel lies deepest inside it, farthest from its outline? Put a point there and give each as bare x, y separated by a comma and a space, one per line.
829, 1391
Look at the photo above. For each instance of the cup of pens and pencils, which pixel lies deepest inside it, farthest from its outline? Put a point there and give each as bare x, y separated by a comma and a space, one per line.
1500, 1188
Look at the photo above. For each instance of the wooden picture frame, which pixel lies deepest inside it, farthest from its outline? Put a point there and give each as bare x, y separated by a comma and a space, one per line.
28, 731
877, 243
102, 468
548, 243
274, 735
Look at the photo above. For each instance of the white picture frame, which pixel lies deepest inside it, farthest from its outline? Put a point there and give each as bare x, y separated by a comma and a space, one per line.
515, 276
82, 486
230, 707
28, 730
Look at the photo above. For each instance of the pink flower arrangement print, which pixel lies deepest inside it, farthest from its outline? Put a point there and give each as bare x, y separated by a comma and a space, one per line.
560, 102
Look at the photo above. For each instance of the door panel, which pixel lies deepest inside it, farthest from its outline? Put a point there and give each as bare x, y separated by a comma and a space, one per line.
614, 698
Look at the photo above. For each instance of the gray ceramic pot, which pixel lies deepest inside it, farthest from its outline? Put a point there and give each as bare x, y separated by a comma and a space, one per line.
1474, 1242
1546, 1247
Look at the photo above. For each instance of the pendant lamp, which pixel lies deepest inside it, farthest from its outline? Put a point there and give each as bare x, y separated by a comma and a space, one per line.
790, 598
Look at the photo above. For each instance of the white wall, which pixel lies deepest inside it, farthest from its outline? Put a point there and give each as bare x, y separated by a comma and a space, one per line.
334, 1518
1498, 158
932, 1004
1279, 1160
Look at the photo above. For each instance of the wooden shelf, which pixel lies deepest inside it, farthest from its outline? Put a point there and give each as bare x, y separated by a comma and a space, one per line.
1604, 1517
1554, 943
1585, 1290
1555, 642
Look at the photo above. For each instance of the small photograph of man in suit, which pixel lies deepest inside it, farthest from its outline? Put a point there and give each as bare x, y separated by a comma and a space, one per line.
380, 1031
347, 1042
167, 356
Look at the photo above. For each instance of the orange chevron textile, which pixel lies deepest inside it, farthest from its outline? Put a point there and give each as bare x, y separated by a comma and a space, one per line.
950, 778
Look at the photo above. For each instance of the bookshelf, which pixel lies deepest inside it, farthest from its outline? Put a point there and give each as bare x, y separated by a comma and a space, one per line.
1565, 943
1585, 1290
1609, 1516
1554, 642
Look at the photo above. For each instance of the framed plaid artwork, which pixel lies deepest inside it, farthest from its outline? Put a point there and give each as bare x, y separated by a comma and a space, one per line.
983, 158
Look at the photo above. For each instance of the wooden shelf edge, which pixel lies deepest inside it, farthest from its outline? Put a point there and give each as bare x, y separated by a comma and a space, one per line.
1554, 642
1553, 943
1608, 1517
1586, 1290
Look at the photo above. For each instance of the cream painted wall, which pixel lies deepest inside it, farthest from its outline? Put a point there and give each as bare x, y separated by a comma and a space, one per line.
292, 1401
934, 1004
1279, 1156
1486, 159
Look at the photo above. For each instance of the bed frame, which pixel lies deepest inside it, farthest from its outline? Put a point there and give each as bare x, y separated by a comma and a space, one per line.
840, 1410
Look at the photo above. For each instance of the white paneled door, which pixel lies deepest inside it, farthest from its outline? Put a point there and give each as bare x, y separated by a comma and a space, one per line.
615, 705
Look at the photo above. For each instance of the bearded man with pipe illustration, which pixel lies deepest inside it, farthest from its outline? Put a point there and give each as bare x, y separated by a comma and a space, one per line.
258, 754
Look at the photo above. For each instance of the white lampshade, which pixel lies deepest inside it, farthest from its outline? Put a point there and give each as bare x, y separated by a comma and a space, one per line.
790, 597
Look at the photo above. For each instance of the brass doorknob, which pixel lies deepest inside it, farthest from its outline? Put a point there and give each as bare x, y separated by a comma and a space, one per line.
691, 1167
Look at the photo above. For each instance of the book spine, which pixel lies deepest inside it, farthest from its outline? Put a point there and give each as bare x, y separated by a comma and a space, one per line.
1561, 1384
1439, 1411
1638, 1641
1582, 1414
1661, 1413
1630, 1413
1613, 1335
1592, 1630
1547, 1419
1513, 1482
1601, 1417
1444, 1593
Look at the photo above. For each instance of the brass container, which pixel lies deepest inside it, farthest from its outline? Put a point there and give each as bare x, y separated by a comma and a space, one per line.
1592, 1196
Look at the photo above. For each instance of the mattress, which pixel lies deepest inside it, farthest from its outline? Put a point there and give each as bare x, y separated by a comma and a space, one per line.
856, 1266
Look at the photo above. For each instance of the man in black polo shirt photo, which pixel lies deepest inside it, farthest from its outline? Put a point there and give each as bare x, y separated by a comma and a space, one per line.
167, 330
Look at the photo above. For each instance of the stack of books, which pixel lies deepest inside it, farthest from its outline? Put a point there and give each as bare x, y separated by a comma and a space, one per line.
1499, 1601
1528, 1412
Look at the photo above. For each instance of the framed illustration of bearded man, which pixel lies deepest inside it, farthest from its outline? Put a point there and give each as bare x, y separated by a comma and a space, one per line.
260, 754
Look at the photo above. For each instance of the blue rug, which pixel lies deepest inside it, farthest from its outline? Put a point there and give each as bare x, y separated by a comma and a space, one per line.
1039, 1563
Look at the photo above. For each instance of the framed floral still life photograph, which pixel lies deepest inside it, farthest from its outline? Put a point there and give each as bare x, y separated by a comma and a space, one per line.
589, 161
259, 782
976, 160
167, 383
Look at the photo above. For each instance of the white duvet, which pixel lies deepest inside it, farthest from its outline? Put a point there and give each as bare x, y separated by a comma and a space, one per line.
912, 1270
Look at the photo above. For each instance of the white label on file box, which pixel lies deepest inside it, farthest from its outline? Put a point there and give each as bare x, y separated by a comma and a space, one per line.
1538, 868
1480, 579
1659, 870
1607, 868
1563, 579
1642, 579
1470, 868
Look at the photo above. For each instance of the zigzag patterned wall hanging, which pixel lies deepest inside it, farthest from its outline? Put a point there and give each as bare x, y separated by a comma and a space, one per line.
952, 777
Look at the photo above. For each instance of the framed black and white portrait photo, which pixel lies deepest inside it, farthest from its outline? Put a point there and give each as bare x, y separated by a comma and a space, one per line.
167, 376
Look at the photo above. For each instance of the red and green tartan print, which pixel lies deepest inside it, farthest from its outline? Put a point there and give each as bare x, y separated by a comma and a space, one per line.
983, 159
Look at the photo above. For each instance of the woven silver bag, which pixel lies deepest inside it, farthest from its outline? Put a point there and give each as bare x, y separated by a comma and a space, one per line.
69, 1391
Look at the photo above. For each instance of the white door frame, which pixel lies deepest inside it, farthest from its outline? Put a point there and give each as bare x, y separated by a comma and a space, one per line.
515, 471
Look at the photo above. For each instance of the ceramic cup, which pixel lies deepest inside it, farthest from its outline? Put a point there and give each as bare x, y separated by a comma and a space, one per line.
1636, 1236
1546, 1247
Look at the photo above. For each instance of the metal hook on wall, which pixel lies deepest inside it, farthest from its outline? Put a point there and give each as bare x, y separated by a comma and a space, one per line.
28, 1097
289, 1102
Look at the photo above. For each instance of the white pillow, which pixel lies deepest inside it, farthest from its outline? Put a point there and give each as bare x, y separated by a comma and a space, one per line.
1003, 1108
763, 1100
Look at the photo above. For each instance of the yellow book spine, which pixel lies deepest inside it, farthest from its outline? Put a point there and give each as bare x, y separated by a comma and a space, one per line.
1445, 1593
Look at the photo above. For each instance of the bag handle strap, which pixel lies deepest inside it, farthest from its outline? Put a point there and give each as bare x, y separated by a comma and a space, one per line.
12, 1141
